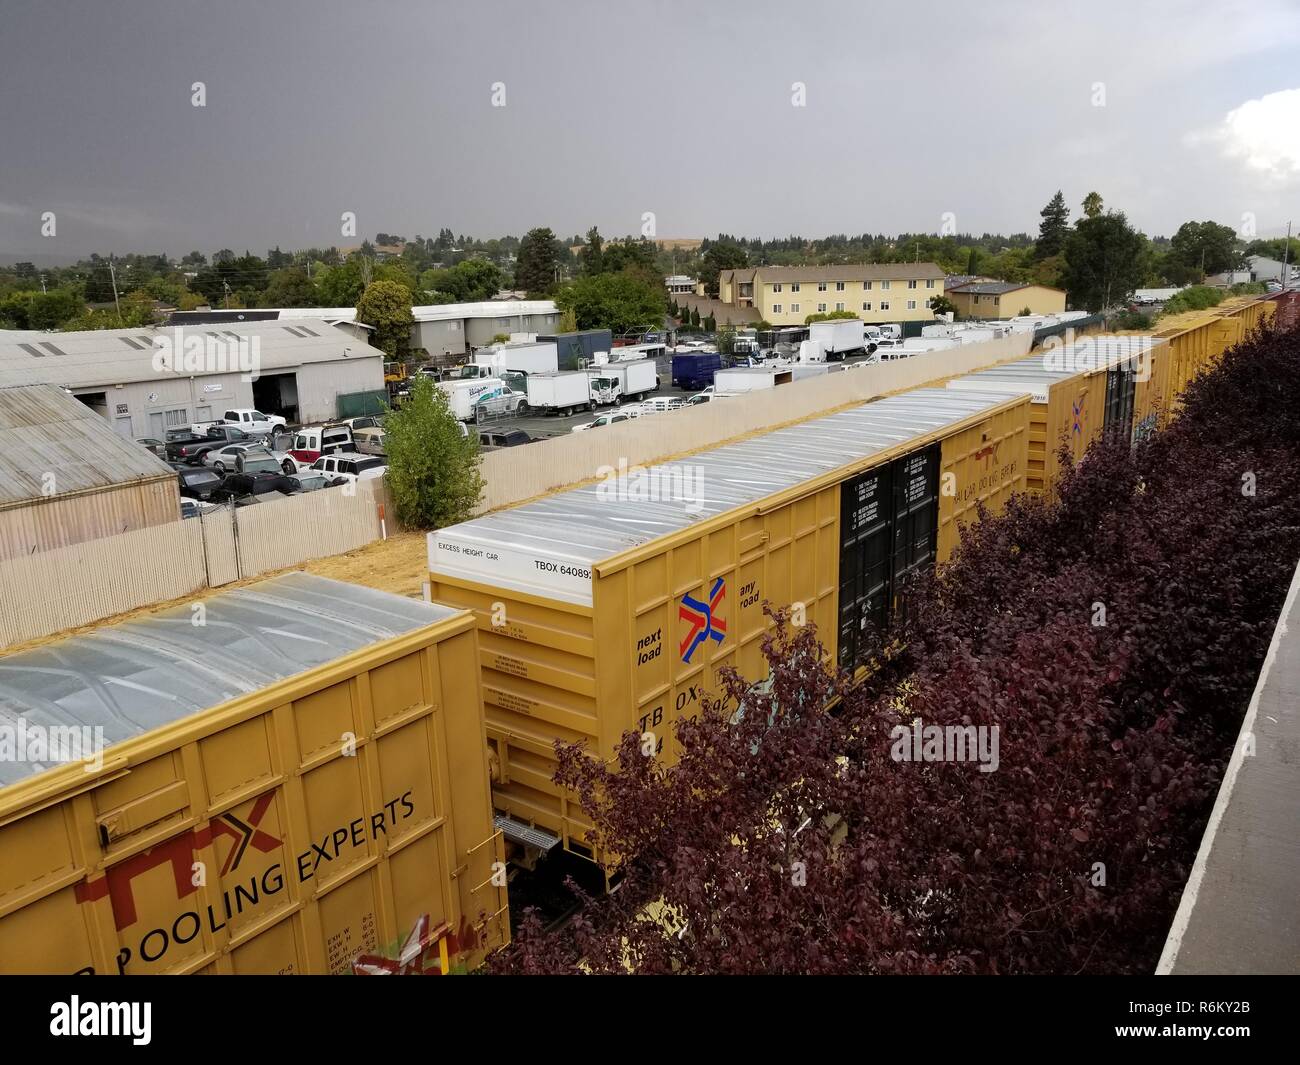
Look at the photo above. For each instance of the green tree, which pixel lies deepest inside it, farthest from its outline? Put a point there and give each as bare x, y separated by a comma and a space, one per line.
1106, 259
537, 261
432, 466
1092, 205
721, 255
827, 316
593, 259
727, 339
1202, 248
290, 287
568, 321
633, 256
943, 305
695, 318
339, 286
973, 262
386, 305
622, 303
470, 281
1054, 228
50, 310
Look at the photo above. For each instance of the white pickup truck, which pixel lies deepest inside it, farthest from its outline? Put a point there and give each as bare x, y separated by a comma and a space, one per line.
253, 422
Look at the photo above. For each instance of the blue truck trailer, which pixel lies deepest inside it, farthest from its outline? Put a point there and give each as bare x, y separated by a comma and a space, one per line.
694, 370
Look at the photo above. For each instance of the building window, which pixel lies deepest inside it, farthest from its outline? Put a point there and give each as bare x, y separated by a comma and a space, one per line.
839, 286
821, 286
884, 305
866, 286
821, 308
174, 417
794, 308
930, 283
866, 306
885, 285
776, 308
911, 284
794, 286
776, 287
839, 306
911, 305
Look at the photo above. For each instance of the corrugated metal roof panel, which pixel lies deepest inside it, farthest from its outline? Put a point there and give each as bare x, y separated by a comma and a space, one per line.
46, 432
100, 357
128, 679
583, 526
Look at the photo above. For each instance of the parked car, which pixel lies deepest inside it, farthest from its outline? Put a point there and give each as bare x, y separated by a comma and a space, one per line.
338, 469
253, 422
193, 449
198, 483
366, 421
370, 439
660, 404
226, 458
192, 508
310, 482
612, 418
158, 447
255, 474
313, 441
499, 439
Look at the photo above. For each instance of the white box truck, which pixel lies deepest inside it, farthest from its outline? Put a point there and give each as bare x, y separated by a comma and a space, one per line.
639, 377
472, 399
837, 337
735, 382
537, 357
561, 393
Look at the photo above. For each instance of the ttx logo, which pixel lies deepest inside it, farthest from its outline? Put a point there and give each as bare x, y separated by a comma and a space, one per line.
178, 852
700, 616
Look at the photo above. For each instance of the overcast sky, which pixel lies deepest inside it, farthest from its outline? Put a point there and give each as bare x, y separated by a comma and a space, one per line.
614, 109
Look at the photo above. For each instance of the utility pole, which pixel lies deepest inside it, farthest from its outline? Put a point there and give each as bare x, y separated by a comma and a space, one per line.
113, 274
226, 287
42, 284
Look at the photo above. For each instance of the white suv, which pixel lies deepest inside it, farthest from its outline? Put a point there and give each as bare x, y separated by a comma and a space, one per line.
339, 468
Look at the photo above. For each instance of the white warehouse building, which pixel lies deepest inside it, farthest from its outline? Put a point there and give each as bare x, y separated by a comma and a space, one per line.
129, 376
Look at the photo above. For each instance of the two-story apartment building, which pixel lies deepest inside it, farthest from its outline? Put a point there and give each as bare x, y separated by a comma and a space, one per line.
1004, 299
876, 292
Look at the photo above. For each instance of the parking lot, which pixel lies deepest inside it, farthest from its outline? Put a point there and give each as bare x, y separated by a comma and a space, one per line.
542, 426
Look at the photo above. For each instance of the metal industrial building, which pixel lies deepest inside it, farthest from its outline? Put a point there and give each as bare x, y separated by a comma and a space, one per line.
66, 477
438, 328
295, 369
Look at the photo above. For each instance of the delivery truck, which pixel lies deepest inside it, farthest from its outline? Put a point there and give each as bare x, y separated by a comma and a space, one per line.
472, 399
637, 379
837, 337
300, 785
558, 393
694, 370
537, 357
735, 381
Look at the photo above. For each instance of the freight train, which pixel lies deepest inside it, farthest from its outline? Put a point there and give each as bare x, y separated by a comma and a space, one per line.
304, 776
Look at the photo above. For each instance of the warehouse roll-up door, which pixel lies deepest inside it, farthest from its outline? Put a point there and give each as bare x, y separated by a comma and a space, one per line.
889, 521
1121, 390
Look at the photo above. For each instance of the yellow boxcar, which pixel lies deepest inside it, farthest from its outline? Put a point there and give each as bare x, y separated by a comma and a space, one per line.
276, 779
613, 607
1078, 391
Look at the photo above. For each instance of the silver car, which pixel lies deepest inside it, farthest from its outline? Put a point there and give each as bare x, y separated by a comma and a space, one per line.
223, 459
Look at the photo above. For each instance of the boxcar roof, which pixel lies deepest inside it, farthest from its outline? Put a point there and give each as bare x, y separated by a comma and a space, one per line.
137, 676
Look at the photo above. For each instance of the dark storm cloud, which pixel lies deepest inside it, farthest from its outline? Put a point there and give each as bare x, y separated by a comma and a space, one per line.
613, 110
